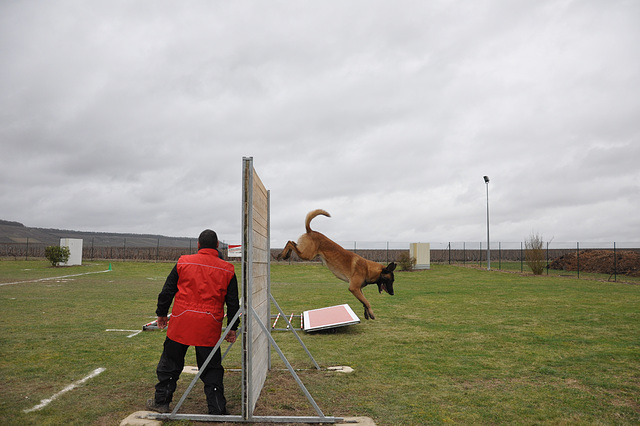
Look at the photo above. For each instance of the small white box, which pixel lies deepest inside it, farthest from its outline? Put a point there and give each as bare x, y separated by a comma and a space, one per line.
75, 250
422, 254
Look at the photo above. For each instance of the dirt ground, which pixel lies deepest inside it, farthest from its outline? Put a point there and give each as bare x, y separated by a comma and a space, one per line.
601, 262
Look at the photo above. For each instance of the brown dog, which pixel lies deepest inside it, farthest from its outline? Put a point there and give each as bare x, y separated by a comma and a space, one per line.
345, 265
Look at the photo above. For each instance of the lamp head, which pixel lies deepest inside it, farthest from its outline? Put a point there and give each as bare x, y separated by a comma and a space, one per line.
486, 179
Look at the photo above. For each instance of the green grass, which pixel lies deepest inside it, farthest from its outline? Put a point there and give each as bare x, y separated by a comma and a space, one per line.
454, 345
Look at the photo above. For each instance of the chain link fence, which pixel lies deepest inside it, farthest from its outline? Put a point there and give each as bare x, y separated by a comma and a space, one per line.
608, 261
124, 252
605, 260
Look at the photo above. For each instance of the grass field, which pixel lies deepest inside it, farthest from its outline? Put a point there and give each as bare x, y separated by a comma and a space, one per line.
454, 345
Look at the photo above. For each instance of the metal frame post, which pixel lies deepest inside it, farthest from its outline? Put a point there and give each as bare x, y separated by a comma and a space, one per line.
486, 181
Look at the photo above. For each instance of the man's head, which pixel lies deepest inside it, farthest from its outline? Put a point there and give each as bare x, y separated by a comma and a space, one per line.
208, 239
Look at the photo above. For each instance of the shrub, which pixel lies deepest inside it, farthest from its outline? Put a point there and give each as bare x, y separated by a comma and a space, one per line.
534, 253
406, 262
56, 254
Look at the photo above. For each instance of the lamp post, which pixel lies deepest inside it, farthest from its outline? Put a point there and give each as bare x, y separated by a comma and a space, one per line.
486, 181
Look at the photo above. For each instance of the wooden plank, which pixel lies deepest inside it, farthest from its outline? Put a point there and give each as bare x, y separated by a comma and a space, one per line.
257, 357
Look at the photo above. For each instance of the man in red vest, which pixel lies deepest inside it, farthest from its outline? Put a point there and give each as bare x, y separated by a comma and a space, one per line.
201, 285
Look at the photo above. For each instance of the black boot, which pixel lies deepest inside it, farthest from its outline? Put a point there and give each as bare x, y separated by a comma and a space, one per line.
160, 408
162, 398
217, 402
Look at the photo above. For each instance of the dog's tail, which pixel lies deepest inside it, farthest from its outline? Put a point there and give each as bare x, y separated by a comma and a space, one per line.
311, 215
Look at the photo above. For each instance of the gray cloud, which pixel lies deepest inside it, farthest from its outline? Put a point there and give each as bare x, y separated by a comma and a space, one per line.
134, 117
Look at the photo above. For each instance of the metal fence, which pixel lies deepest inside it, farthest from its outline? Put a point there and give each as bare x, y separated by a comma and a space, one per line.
609, 259
157, 253
602, 260
573, 258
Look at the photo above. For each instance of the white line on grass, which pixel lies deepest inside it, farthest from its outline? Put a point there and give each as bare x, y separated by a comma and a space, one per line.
55, 278
133, 332
46, 402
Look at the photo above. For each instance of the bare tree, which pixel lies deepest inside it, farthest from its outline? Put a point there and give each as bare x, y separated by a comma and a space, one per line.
534, 253
406, 262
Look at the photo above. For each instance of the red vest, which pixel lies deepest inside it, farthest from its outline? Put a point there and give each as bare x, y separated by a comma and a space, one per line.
198, 307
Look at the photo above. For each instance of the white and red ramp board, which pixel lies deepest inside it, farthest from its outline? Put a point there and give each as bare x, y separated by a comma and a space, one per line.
331, 317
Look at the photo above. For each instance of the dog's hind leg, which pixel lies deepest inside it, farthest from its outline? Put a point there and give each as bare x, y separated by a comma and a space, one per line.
305, 248
286, 252
356, 290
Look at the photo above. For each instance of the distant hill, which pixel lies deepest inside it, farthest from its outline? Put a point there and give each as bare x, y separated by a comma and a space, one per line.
15, 232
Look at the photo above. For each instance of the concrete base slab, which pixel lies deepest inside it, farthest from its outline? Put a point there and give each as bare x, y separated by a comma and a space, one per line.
139, 419
190, 369
341, 369
361, 421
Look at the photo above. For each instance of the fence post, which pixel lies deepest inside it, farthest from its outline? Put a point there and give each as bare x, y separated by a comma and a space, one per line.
547, 257
615, 263
578, 257
499, 255
449, 252
521, 259
387, 261
157, 250
26, 254
464, 253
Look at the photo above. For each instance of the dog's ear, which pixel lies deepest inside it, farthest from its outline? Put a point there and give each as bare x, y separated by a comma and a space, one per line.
390, 268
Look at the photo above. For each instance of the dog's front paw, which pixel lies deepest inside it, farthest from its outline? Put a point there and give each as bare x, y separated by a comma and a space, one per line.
368, 314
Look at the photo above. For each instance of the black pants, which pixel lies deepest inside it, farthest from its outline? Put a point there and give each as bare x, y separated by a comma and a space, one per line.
171, 365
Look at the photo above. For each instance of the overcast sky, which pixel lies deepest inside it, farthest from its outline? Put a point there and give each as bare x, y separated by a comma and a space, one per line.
134, 116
